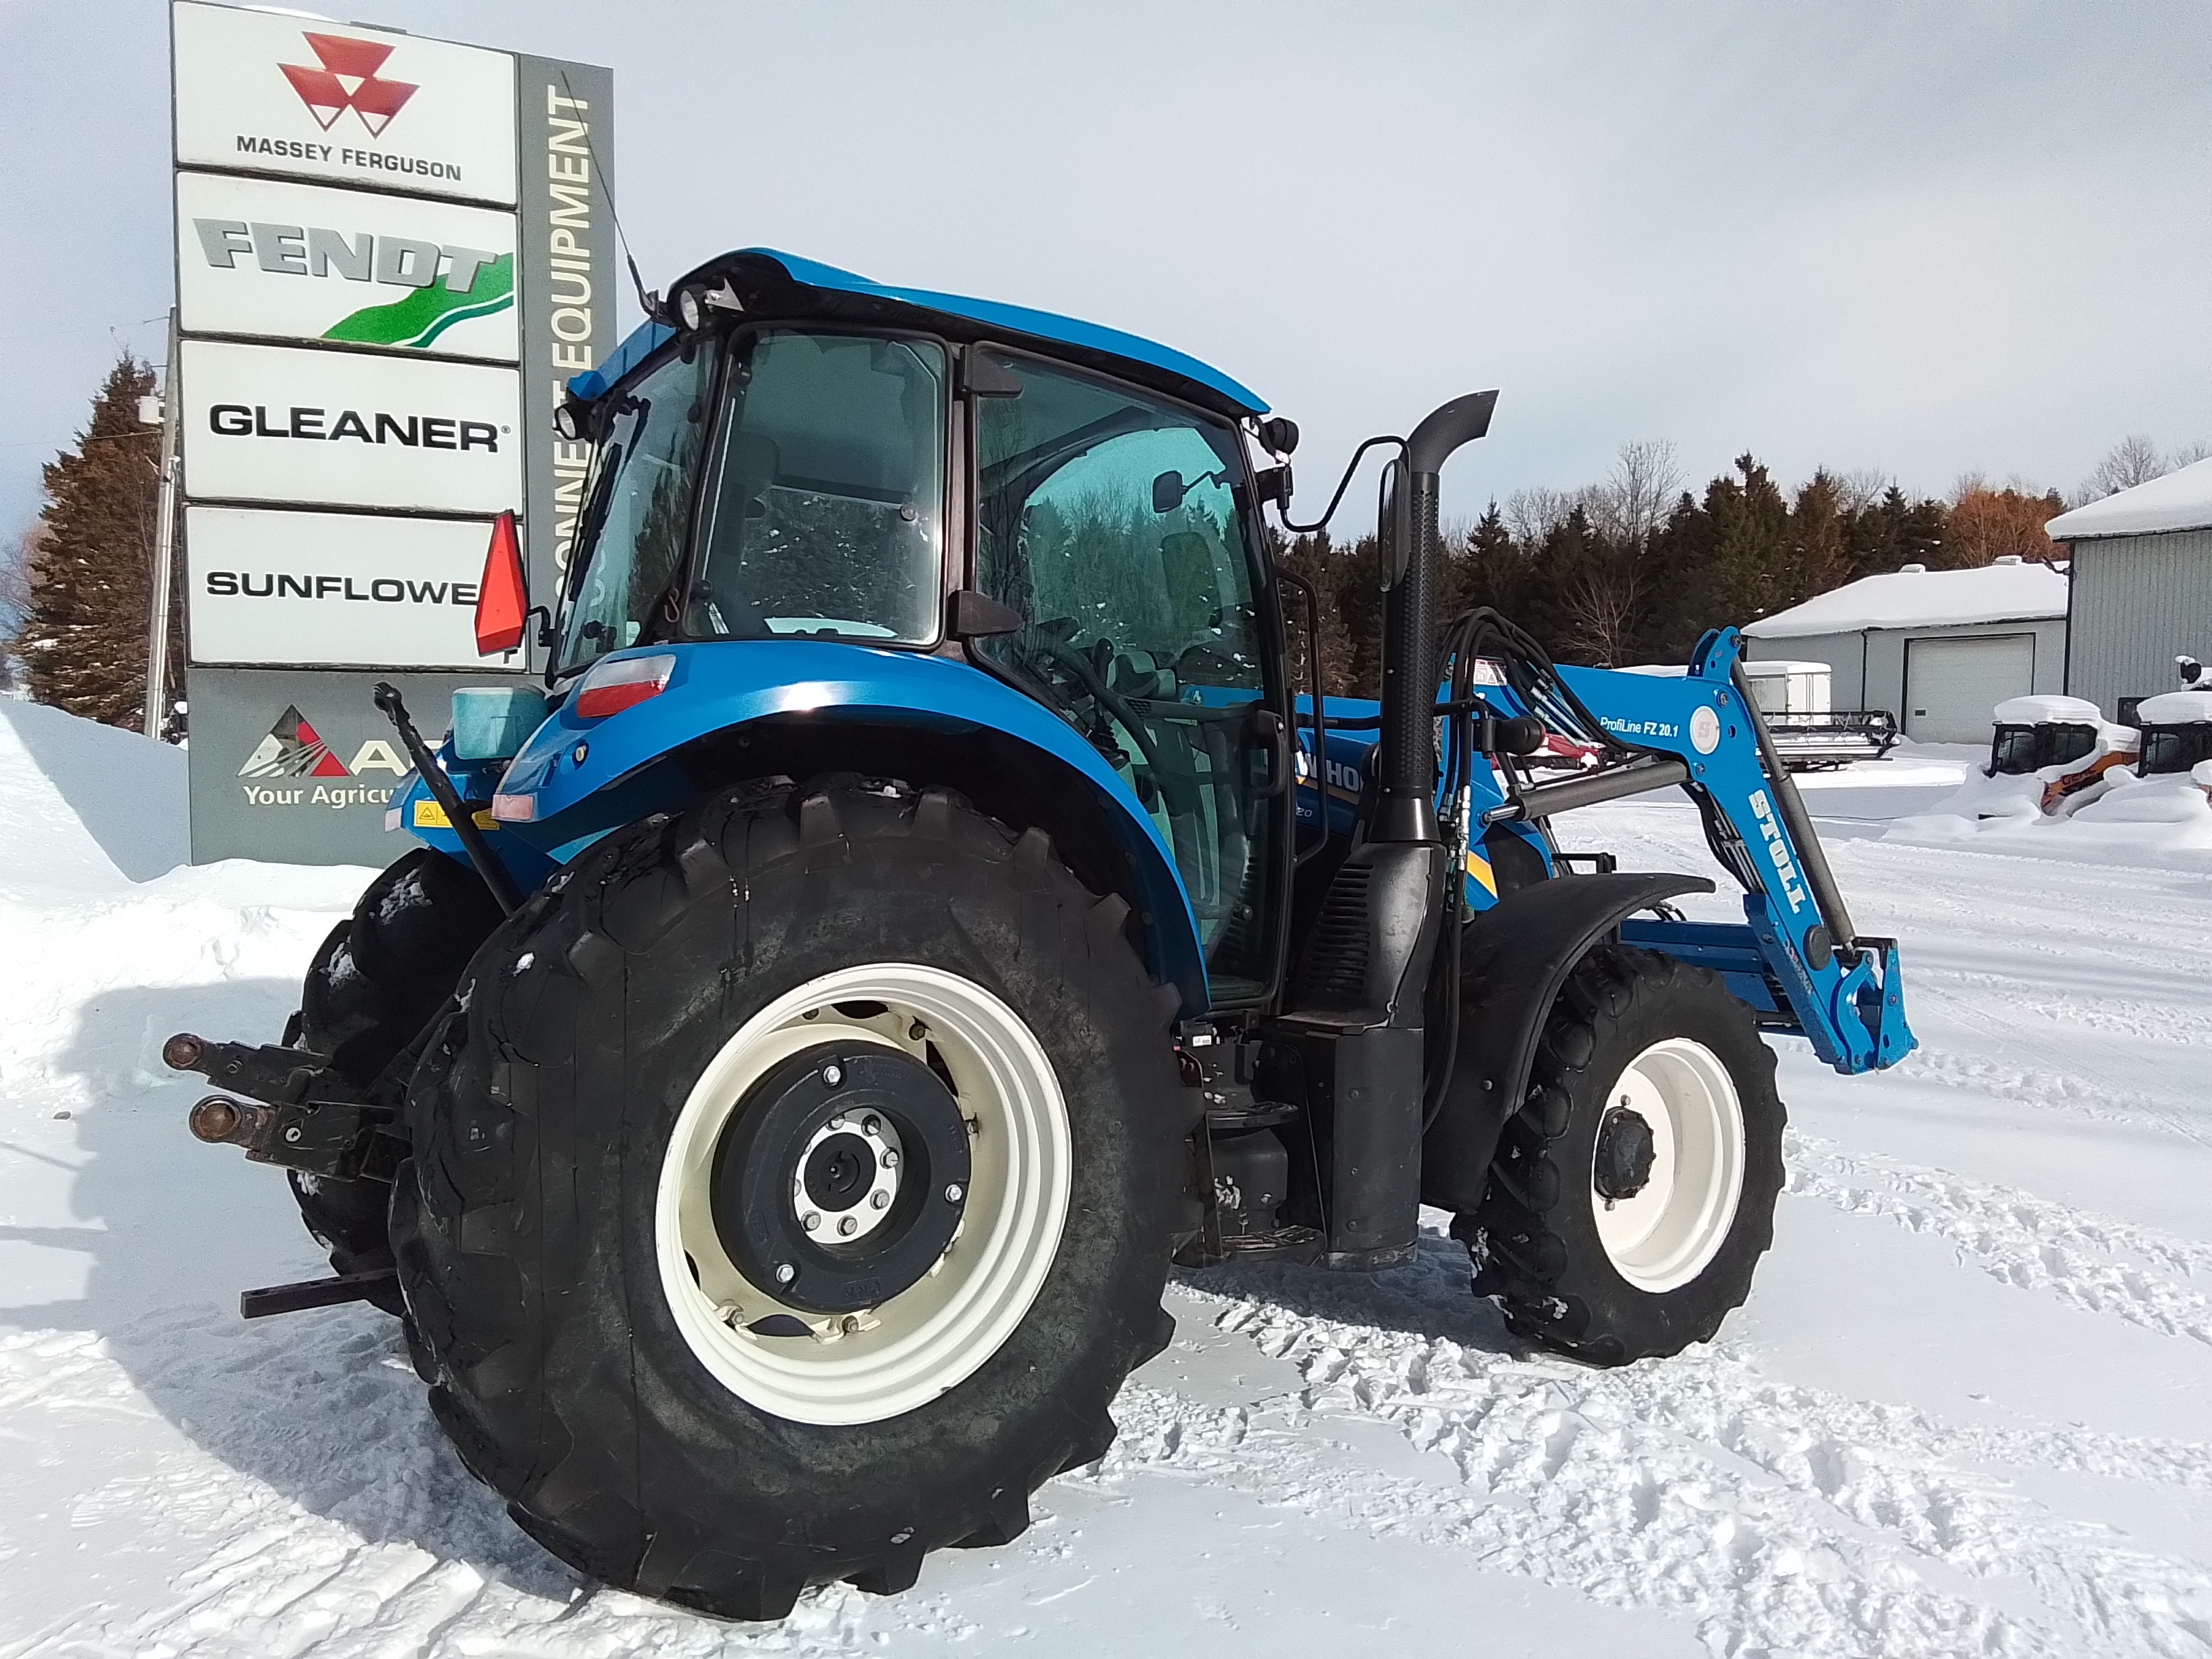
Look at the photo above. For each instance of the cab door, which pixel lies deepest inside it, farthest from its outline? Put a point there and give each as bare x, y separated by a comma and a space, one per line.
1118, 524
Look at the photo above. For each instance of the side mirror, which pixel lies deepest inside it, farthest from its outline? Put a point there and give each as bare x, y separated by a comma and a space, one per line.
1273, 484
502, 602
1279, 436
1168, 491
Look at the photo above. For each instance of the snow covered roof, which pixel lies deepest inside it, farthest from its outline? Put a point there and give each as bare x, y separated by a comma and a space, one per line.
2007, 590
2047, 711
2179, 501
2174, 708
1778, 666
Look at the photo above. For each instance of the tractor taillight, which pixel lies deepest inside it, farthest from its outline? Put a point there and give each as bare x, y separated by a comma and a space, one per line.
623, 683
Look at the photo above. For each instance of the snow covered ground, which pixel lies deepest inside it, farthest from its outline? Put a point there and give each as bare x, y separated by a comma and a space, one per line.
1968, 1409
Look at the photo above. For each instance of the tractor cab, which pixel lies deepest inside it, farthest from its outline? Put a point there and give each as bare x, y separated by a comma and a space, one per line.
2176, 731
2058, 752
2033, 733
809, 458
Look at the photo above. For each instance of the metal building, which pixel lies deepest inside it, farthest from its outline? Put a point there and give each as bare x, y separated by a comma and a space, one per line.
2143, 587
1938, 649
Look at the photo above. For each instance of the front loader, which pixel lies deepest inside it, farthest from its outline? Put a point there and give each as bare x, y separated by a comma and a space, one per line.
920, 908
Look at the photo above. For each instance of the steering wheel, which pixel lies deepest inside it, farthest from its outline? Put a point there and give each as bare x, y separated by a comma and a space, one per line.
1094, 683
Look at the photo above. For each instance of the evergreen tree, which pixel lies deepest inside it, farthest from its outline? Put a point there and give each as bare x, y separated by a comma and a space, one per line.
83, 635
1894, 531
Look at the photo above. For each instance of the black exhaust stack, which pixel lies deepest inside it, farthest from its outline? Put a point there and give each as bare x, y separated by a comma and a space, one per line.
1357, 1021
1407, 809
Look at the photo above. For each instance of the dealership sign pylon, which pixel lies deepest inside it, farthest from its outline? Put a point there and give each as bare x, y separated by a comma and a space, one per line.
390, 253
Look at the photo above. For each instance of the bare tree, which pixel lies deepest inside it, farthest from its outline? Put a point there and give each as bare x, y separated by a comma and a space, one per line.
2134, 460
1636, 495
1600, 605
2188, 454
1857, 491
1533, 514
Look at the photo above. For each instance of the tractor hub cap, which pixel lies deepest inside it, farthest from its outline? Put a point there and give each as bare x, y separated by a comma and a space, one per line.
1666, 1172
1624, 1151
828, 1179
863, 1194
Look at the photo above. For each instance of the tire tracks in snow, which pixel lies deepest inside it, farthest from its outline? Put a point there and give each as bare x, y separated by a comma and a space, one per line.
2116, 1268
1777, 1518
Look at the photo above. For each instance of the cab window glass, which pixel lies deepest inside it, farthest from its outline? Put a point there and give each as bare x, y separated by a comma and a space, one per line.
824, 514
638, 510
1114, 525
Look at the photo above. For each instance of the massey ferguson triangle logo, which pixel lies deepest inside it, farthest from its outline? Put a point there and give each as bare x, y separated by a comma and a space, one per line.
291, 749
348, 81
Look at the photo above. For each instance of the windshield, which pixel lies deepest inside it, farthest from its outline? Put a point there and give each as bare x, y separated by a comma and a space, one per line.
825, 506
637, 513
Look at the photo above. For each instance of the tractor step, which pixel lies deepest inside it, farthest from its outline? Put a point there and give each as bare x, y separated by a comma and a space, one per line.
313, 1293
1296, 1247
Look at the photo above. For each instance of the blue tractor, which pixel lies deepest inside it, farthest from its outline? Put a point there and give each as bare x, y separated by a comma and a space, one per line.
920, 909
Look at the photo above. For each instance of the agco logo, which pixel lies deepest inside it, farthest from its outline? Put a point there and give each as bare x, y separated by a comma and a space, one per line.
347, 80
294, 748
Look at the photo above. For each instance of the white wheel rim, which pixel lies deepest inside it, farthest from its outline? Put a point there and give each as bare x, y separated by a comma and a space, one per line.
1667, 1233
905, 1352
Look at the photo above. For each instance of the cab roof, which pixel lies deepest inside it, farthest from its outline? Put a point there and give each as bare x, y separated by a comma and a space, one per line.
783, 286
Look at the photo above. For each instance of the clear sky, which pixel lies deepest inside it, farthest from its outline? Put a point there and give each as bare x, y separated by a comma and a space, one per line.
1922, 238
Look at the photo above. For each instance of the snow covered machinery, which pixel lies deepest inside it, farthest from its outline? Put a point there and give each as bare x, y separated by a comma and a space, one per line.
921, 909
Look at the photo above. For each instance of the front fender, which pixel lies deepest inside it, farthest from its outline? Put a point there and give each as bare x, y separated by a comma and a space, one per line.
1514, 959
581, 778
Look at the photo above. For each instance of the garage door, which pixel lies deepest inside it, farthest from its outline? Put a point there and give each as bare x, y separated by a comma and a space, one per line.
1952, 685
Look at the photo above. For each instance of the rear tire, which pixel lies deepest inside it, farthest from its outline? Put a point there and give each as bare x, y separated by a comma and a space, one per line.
615, 1354
375, 981
1633, 1192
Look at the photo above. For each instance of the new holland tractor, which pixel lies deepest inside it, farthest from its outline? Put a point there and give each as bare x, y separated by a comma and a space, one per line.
920, 910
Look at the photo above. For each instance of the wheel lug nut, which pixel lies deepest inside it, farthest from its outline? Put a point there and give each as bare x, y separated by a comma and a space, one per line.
952, 1193
837, 1121
889, 1159
833, 1074
915, 1032
809, 1221
847, 1226
879, 1200
872, 1124
785, 1272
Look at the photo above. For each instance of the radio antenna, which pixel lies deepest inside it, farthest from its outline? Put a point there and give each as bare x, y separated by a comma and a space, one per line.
648, 302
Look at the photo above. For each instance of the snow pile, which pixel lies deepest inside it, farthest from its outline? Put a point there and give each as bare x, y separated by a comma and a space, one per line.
2182, 500
2045, 708
2175, 708
97, 906
2036, 812
2007, 590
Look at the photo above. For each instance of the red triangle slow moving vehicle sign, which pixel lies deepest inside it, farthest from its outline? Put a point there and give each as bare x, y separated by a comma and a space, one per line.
501, 603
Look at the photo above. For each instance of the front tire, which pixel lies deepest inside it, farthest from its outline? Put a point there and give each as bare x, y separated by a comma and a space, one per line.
672, 1084
1633, 1192
375, 981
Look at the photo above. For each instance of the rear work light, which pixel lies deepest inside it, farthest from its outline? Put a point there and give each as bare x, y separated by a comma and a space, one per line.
622, 683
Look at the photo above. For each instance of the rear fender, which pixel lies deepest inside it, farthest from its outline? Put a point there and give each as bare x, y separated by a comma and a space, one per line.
578, 779
1515, 958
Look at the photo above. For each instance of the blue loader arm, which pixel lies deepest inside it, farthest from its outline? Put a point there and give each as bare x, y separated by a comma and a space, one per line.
1846, 993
